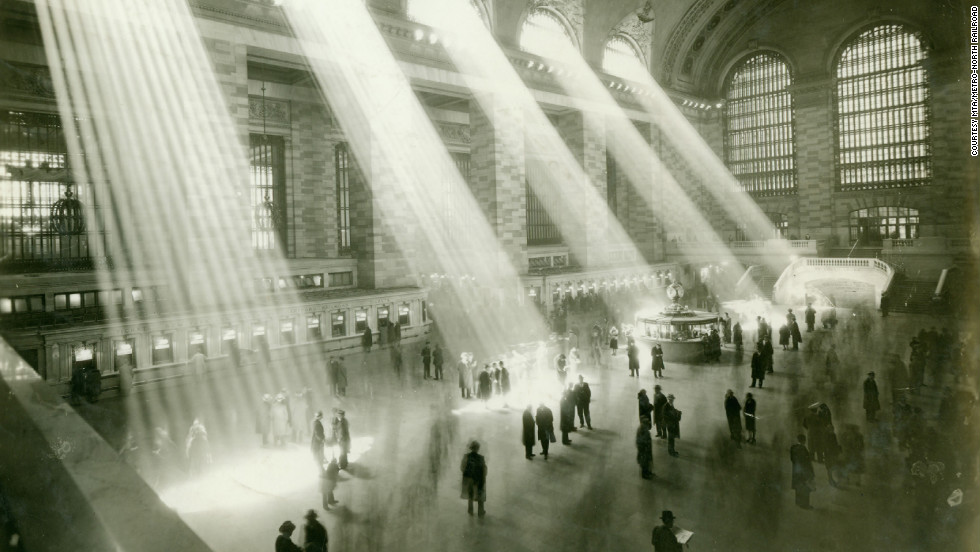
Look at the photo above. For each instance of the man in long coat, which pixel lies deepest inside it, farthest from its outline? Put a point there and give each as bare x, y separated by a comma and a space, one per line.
657, 352
767, 353
733, 411
426, 360
567, 414
758, 368
644, 449
737, 336
474, 468
583, 396
527, 433
794, 329
811, 318
545, 421
672, 419
318, 441
802, 472
659, 402
871, 404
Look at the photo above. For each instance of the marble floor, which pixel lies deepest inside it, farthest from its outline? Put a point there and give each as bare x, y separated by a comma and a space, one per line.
402, 490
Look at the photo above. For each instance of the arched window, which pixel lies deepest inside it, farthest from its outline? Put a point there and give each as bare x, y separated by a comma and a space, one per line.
622, 59
870, 226
545, 34
760, 147
882, 115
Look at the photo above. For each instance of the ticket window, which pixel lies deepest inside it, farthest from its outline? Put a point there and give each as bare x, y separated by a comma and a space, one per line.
287, 333
123, 356
163, 349
83, 358
229, 341
196, 343
313, 332
383, 317
260, 341
425, 312
338, 324
360, 321
404, 315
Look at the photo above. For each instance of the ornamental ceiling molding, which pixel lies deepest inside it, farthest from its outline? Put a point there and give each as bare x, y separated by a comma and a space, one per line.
640, 32
680, 34
754, 15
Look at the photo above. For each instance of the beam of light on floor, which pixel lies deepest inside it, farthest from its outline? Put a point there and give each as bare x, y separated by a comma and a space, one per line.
148, 130
557, 177
393, 139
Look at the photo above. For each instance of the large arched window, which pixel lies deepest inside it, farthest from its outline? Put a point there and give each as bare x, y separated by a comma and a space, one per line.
882, 114
546, 34
760, 147
870, 226
621, 58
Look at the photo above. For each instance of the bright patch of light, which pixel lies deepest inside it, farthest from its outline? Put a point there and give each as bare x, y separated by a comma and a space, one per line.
545, 35
621, 59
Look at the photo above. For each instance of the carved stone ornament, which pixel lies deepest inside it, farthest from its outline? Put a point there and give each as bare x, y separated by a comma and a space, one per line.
276, 111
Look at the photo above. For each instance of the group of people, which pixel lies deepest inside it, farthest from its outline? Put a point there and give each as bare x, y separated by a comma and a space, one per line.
734, 411
538, 426
314, 535
662, 414
492, 380
282, 418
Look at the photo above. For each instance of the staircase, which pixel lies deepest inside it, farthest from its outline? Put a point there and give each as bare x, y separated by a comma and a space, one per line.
756, 277
765, 283
912, 296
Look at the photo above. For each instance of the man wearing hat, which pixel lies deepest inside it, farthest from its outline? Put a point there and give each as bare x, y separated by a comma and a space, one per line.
663, 535
871, 404
672, 419
314, 534
659, 402
474, 469
284, 542
319, 439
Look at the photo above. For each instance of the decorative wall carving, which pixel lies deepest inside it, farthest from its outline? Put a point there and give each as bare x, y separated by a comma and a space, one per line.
29, 80
455, 133
276, 111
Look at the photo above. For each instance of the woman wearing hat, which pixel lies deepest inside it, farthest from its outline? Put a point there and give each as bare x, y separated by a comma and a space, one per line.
284, 542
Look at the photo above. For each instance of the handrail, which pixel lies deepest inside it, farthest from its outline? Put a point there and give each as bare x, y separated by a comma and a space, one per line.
834, 263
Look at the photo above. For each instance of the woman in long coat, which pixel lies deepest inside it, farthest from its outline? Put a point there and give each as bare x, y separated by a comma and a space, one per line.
644, 403
784, 336
749, 411
527, 433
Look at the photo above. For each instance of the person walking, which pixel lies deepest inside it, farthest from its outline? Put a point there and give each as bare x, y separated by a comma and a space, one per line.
566, 414
644, 449
758, 365
314, 534
733, 411
333, 367
737, 336
437, 361
659, 402
802, 479
426, 360
810, 316
657, 352
672, 419
664, 539
633, 358
328, 482
545, 421
749, 411
284, 541
527, 433
871, 404
474, 469
583, 396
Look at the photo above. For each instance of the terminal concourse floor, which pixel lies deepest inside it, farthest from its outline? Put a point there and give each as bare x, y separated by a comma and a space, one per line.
402, 490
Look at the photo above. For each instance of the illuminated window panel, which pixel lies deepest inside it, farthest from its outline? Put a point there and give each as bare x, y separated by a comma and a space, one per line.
882, 112
546, 35
872, 225
780, 225
541, 229
342, 164
267, 171
622, 59
760, 146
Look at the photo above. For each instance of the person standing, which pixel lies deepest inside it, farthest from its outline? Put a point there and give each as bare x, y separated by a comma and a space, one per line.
737, 336
367, 339
318, 441
561, 368
546, 427
333, 367
437, 361
474, 469
314, 534
644, 449
726, 326
749, 411
733, 411
328, 482
784, 332
672, 419
341, 435
566, 414
341, 378
664, 539
871, 404
794, 329
284, 542
767, 353
464, 375
613, 340
485, 384
527, 433
811, 317
396, 358
802, 472
632, 356
426, 360
504, 382
659, 402
657, 352
758, 364
583, 396
643, 403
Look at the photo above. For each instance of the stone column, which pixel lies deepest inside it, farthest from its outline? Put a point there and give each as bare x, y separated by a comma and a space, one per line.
587, 143
815, 147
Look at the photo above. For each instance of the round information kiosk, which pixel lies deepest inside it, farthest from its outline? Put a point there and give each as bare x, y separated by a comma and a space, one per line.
678, 330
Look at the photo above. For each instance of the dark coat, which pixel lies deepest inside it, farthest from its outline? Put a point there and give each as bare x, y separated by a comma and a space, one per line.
737, 333
437, 356
583, 394
285, 544
644, 446
794, 329
504, 381
567, 409
784, 335
659, 402
319, 437
871, 395
644, 403
733, 410
672, 417
749, 411
657, 352
527, 423
314, 536
802, 467
810, 316
546, 423
474, 468
664, 540
758, 366
485, 385
367, 338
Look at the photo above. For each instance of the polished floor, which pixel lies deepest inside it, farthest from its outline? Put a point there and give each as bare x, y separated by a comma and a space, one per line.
402, 491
